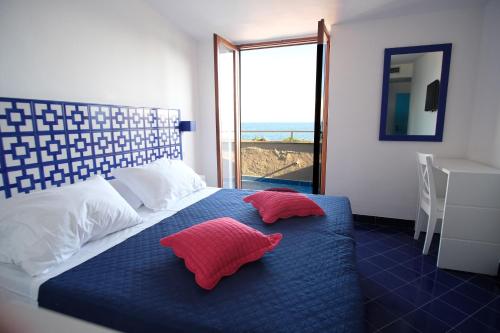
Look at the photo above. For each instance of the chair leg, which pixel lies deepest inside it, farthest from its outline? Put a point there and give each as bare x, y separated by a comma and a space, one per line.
431, 226
418, 225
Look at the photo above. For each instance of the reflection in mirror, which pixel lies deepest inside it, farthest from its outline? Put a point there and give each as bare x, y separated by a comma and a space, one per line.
414, 92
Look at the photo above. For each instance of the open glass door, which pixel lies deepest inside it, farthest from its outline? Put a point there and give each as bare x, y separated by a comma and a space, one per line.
226, 69
321, 108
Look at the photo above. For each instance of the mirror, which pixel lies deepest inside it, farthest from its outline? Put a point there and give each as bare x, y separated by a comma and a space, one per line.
415, 83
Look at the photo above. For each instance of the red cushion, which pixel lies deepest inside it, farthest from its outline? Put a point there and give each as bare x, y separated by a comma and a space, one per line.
281, 205
217, 248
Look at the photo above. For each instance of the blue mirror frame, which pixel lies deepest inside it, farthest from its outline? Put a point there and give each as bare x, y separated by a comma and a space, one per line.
443, 89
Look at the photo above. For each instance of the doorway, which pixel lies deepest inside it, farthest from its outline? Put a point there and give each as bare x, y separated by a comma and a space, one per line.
277, 94
272, 112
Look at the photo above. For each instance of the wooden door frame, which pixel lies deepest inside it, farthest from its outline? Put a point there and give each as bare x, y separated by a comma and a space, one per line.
324, 31
218, 40
278, 43
321, 138
317, 39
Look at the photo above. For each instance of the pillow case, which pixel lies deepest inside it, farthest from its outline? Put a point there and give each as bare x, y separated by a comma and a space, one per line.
44, 228
281, 205
217, 248
161, 183
127, 194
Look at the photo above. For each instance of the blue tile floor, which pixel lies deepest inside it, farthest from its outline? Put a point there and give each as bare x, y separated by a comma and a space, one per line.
404, 291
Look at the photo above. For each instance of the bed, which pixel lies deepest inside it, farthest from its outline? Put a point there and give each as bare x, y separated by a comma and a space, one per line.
309, 283
128, 282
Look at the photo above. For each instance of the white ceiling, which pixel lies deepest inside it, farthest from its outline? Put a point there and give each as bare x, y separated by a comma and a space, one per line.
257, 20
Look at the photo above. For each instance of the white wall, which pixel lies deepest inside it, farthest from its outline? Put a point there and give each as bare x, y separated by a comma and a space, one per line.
206, 115
380, 177
427, 69
119, 52
485, 135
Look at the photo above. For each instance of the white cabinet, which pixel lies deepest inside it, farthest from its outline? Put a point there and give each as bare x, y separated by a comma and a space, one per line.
470, 232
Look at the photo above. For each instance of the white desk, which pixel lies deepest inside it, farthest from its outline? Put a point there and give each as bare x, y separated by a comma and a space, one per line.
470, 232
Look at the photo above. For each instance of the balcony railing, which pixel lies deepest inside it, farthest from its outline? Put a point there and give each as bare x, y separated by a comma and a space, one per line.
291, 137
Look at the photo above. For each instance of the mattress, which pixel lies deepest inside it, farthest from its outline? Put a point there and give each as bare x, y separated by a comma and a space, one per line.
17, 285
308, 283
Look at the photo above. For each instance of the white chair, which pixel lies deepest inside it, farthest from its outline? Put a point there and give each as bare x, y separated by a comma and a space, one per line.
428, 201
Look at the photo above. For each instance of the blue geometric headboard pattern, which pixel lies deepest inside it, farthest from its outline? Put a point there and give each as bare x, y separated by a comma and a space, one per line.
50, 143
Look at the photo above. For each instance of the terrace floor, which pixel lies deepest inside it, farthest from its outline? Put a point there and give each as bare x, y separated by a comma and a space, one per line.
256, 183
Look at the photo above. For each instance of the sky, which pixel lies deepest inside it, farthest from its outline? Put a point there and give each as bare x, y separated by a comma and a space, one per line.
278, 84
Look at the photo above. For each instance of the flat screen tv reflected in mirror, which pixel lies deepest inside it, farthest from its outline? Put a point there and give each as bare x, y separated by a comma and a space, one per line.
432, 96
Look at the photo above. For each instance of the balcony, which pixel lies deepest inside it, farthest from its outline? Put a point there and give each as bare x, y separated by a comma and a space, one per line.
277, 163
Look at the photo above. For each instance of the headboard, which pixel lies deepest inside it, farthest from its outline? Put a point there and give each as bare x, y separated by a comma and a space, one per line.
50, 143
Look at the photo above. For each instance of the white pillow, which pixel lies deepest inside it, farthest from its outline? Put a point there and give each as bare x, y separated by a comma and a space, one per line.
127, 194
161, 183
44, 228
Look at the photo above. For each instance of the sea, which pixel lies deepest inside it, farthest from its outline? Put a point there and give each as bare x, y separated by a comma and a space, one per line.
255, 129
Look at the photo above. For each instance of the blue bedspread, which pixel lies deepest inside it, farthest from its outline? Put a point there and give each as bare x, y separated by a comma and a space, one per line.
308, 283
